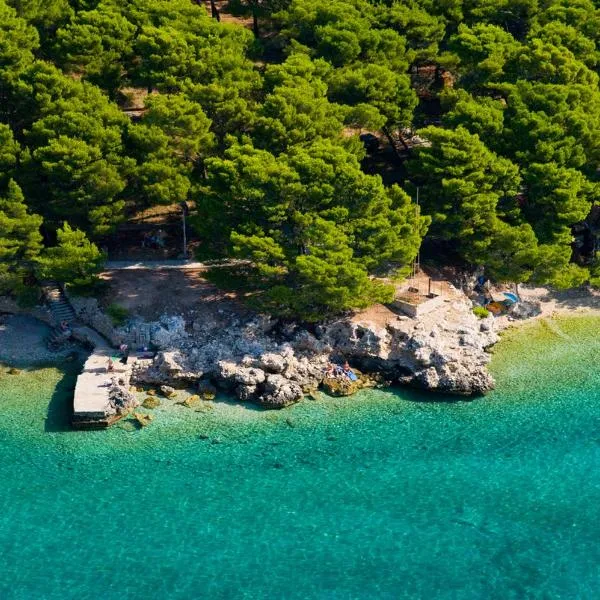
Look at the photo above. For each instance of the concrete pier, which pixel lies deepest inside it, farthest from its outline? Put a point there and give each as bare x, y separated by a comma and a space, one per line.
91, 406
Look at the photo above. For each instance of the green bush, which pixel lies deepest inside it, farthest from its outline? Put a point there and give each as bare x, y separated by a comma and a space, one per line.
481, 312
28, 296
117, 313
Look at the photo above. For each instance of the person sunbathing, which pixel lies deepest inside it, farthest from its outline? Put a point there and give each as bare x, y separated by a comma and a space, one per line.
348, 372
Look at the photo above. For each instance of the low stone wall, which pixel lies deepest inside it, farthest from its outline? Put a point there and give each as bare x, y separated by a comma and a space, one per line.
418, 310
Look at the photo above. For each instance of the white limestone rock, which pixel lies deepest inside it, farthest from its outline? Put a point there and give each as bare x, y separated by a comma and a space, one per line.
279, 392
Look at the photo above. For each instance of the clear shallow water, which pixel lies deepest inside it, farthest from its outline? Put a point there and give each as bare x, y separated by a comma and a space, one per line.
380, 496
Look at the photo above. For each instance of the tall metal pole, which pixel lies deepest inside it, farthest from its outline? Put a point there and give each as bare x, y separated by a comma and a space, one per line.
184, 235
418, 259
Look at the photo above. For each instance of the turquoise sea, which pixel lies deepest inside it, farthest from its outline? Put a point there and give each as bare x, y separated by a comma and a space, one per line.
385, 495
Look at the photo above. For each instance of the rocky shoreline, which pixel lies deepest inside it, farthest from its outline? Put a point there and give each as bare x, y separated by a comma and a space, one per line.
274, 365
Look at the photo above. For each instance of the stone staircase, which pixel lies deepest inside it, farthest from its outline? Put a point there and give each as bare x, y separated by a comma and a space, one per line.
61, 311
58, 304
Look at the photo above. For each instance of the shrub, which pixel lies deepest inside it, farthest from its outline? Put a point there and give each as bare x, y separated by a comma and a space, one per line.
481, 312
28, 296
117, 313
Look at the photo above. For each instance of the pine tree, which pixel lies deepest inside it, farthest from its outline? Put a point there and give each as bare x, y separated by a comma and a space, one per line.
9, 154
462, 184
313, 225
20, 240
74, 260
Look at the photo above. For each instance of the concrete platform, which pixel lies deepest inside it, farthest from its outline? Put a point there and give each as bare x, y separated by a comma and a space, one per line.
91, 407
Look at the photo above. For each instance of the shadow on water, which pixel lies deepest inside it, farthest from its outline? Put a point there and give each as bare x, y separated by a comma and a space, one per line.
60, 408
419, 396
230, 400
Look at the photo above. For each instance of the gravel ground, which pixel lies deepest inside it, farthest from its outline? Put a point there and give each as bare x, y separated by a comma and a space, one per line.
22, 341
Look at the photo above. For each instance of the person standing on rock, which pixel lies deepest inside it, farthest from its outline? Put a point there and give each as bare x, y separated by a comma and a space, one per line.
124, 353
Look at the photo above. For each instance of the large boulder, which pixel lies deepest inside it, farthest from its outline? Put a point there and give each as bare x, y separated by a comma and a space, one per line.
168, 368
279, 392
526, 310
234, 373
307, 373
167, 391
169, 363
341, 386
120, 400
89, 312
272, 362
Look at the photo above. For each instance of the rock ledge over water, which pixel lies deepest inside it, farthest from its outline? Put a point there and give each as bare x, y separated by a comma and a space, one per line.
274, 365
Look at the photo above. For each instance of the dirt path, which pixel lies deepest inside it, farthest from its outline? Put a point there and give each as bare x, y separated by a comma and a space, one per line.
151, 292
151, 265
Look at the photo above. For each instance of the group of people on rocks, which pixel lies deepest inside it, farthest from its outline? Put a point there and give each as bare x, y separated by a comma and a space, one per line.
339, 371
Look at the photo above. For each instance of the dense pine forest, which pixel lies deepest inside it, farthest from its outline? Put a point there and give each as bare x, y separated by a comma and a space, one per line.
490, 108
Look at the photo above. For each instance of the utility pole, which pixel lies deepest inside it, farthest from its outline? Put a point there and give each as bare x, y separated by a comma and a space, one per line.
417, 261
184, 212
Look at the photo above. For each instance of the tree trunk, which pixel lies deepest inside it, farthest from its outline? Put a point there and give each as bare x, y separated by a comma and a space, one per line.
214, 11
393, 144
255, 28
403, 142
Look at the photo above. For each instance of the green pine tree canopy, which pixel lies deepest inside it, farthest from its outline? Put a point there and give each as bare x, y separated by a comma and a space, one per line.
259, 127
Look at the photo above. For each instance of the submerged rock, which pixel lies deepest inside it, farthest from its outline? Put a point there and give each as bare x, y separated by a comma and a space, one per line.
190, 401
167, 391
143, 419
151, 402
207, 390
129, 425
